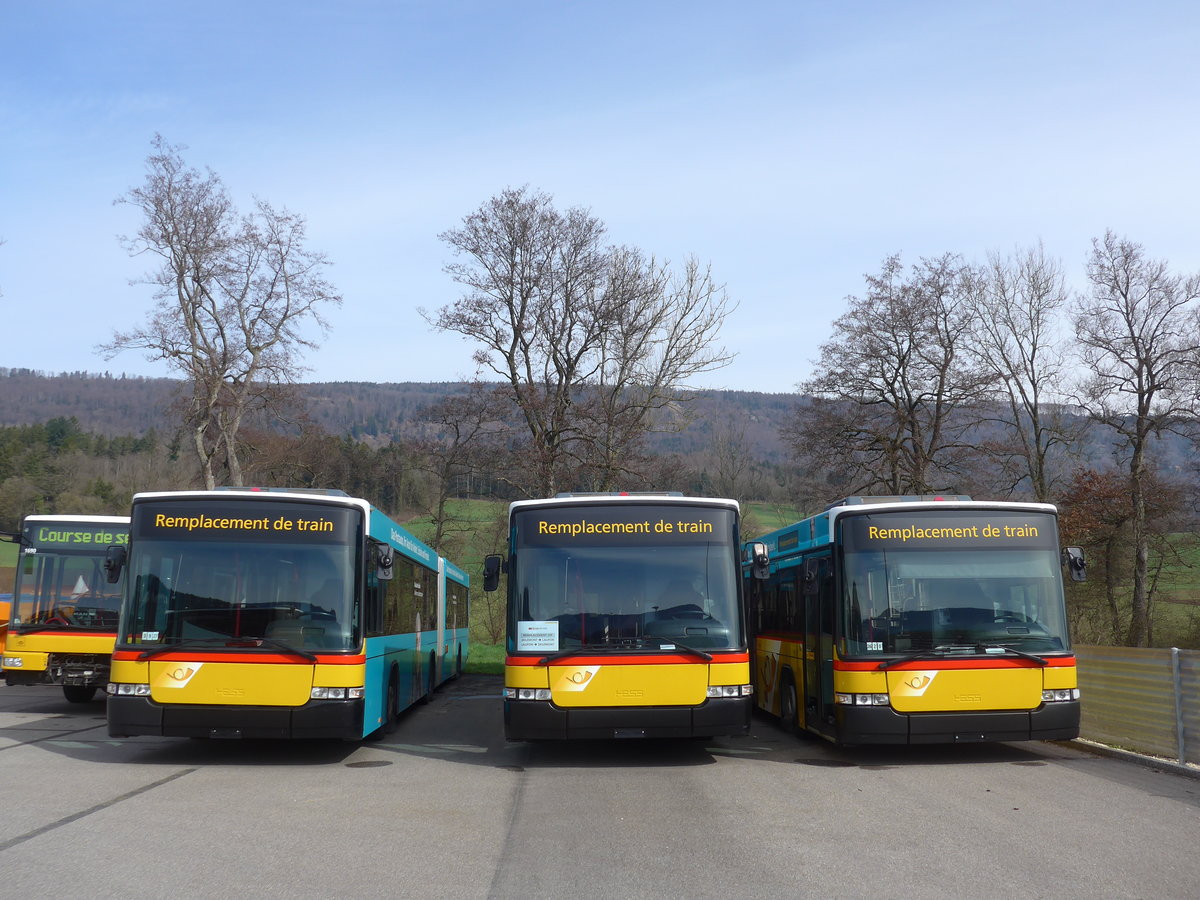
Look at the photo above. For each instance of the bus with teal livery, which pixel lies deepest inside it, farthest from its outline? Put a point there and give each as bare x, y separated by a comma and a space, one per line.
910, 620
624, 618
63, 614
278, 613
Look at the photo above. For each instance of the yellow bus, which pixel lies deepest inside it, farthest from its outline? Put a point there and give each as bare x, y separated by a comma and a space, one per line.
907, 620
272, 613
624, 618
63, 616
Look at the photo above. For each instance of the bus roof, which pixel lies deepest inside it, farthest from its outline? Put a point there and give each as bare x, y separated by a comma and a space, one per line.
623, 497
335, 498
58, 517
817, 530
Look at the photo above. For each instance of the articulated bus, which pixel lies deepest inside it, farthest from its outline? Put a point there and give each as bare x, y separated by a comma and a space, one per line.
903, 620
269, 613
624, 618
63, 618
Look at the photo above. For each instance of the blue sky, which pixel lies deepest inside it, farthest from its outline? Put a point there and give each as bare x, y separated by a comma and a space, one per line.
791, 145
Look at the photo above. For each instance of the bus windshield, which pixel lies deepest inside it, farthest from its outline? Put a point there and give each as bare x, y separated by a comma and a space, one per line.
946, 581
228, 577
632, 576
60, 580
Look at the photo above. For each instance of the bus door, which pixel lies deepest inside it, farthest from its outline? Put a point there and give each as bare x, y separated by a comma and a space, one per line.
441, 620
818, 643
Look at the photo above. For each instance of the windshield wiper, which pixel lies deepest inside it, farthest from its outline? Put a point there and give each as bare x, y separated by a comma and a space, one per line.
288, 648
621, 645
226, 642
935, 653
940, 653
168, 648
673, 644
40, 626
1040, 660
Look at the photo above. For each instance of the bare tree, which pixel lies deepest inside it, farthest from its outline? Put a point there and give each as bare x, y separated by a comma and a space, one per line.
1015, 303
1139, 327
464, 435
661, 327
591, 341
233, 294
892, 382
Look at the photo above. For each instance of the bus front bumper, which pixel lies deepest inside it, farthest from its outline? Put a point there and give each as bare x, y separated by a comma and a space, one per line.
534, 720
86, 669
330, 719
883, 725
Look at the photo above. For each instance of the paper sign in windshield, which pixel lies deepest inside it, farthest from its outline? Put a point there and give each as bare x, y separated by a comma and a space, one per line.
537, 635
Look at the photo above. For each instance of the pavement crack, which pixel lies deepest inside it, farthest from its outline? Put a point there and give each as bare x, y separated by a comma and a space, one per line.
75, 817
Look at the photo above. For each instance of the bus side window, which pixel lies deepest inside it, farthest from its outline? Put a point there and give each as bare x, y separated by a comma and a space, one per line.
376, 602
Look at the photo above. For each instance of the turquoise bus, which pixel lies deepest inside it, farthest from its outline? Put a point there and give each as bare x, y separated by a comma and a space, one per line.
277, 613
912, 620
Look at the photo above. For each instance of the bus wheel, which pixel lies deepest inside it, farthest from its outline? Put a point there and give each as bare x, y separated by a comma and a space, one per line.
787, 704
427, 693
78, 693
390, 715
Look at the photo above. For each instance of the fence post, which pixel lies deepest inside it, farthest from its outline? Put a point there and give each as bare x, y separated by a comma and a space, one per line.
1177, 680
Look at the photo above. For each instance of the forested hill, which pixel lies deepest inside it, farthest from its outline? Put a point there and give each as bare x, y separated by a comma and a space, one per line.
123, 405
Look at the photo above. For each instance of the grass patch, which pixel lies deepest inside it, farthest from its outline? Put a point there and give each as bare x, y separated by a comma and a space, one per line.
485, 659
759, 518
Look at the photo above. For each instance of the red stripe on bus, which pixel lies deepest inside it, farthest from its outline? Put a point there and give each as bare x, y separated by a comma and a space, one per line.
265, 658
978, 663
606, 659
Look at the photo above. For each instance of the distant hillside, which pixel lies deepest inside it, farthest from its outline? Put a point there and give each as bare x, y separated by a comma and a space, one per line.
116, 405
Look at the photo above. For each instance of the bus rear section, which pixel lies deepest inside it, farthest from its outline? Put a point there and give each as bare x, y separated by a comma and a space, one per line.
63, 616
624, 619
895, 620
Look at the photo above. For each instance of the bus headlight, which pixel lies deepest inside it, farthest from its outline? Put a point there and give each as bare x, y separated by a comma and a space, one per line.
13, 662
1058, 695
336, 693
730, 690
124, 689
526, 693
862, 699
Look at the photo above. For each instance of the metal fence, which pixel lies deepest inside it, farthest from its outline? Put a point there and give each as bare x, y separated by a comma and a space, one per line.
1146, 700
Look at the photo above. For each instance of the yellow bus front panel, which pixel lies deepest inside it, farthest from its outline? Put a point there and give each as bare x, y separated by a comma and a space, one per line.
28, 656
213, 698
601, 700
957, 703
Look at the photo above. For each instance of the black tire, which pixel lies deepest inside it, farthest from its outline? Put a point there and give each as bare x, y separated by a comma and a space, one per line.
427, 692
79, 693
787, 704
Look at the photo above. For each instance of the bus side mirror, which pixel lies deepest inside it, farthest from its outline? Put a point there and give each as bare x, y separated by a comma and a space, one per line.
491, 572
755, 553
808, 585
383, 563
114, 563
1075, 562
